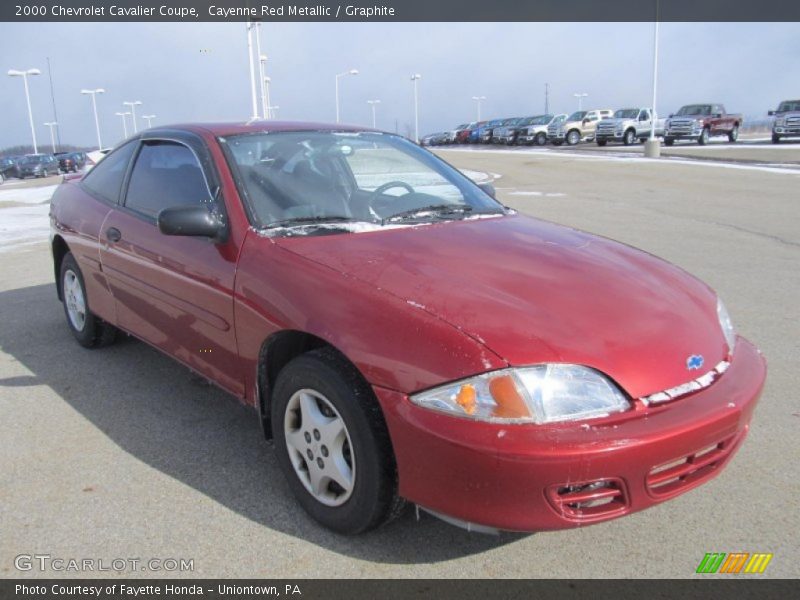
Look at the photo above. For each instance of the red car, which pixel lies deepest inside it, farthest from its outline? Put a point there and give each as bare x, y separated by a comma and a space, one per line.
401, 334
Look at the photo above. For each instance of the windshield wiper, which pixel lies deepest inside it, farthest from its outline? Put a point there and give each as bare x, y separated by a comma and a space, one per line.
437, 209
309, 221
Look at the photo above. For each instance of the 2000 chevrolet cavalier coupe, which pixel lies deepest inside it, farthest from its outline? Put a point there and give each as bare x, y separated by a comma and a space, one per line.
401, 334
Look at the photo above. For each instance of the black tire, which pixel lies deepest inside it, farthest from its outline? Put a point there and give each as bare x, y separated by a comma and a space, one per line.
95, 333
557, 142
630, 137
703, 139
602, 142
734, 134
776, 139
573, 137
373, 500
541, 138
668, 141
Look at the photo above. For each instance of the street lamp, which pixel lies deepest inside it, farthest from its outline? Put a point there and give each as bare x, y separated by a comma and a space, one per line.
149, 119
580, 98
415, 78
124, 122
267, 108
273, 110
479, 99
51, 125
373, 103
262, 69
24, 75
350, 72
652, 147
133, 106
93, 94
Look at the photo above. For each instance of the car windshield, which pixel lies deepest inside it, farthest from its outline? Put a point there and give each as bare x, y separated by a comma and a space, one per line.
312, 177
577, 115
789, 105
540, 120
626, 113
694, 109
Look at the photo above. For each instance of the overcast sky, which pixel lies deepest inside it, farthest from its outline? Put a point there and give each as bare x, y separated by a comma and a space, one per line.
199, 72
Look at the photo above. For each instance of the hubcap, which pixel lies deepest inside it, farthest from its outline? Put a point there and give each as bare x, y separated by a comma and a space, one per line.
573, 138
319, 447
73, 296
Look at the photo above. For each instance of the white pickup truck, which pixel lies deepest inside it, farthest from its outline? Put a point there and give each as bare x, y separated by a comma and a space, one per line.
628, 125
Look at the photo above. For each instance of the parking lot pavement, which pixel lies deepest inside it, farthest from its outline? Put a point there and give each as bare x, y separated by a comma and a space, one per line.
123, 453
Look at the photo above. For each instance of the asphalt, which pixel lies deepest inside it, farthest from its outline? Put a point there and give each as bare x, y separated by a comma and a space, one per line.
122, 453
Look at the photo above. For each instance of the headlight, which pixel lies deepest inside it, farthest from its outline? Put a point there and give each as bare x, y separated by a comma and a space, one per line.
539, 394
780, 122
727, 325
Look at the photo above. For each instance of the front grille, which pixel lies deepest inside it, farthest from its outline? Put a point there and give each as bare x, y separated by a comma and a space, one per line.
606, 127
590, 500
555, 131
681, 126
686, 471
793, 121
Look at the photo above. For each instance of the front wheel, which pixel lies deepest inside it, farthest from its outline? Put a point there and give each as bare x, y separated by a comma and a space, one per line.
630, 137
734, 134
557, 142
332, 443
776, 139
703, 139
88, 329
573, 137
541, 139
602, 142
668, 141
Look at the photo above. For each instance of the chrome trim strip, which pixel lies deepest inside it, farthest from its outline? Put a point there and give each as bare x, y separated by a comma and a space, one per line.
694, 385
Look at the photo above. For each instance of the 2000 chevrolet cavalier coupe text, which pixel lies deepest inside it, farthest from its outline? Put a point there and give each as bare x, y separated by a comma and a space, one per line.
401, 334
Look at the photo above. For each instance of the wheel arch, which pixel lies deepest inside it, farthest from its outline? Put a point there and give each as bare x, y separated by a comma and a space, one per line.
60, 250
275, 353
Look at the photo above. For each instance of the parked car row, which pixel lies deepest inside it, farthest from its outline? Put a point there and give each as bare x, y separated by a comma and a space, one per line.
693, 122
41, 165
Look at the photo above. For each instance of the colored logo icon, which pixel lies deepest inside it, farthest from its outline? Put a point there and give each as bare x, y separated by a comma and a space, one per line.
734, 563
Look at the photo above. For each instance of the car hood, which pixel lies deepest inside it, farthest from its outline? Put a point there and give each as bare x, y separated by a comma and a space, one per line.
534, 292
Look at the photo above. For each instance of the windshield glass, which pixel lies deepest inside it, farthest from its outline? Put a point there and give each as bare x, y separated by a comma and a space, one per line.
541, 120
789, 105
360, 177
626, 113
694, 109
577, 116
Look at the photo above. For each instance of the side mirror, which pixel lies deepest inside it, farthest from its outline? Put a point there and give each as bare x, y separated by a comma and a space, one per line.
771, 113
190, 220
585, 121
488, 188
671, 115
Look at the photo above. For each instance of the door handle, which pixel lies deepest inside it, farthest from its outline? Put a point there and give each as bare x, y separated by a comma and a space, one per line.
113, 234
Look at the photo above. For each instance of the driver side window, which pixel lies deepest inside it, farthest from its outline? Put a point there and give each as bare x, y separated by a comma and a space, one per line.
165, 175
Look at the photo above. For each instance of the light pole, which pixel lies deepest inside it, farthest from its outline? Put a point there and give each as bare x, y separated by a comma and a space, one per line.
415, 78
373, 104
479, 99
652, 147
93, 94
350, 72
51, 125
133, 106
253, 96
24, 75
267, 111
149, 119
124, 122
273, 110
262, 69
580, 98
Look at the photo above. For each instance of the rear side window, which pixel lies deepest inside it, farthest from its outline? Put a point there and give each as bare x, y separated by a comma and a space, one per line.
105, 179
165, 175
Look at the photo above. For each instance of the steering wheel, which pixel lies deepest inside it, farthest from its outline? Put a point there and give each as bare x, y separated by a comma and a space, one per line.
393, 184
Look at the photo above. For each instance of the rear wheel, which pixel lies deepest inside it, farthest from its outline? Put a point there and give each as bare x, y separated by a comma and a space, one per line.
88, 329
332, 443
734, 134
703, 139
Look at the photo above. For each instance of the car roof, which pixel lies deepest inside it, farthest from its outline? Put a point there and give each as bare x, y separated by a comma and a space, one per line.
222, 129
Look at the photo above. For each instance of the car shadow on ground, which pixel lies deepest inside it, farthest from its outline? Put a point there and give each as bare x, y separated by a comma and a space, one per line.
174, 421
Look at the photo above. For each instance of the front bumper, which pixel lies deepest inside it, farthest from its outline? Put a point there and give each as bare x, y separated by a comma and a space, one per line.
683, 135
541, 477
788, 131
611, 135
